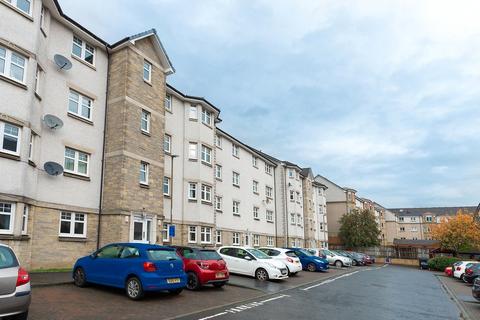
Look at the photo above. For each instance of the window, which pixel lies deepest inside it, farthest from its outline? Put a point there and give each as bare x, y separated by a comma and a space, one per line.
269, 192
7, 212
38, 79
147, 71
235, 151
269, 215
236, 179
10, 137
166, 186
218, 171
167, 143
25, 219
206, 154
165, 232
73, 224
218, 203
428, 218
270, 241
206, 193
236, 208
299, 219
255, 186
292, 195
254, 161
206, 117
268, 168
218, 236
145, 121
256, 240
12, 65
192, 150
42, 18
236, 239
76, 161
320, 226
298, 196
402, 229
192, 191
292, 218
205, 235
192, 234
143, 173
23, 5
83, 50
291, 173
255, 213
218, 141
401, 219
80, 105
168, 102
193, 114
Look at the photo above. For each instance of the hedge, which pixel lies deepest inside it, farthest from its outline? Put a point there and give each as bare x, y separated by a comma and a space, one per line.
440, 263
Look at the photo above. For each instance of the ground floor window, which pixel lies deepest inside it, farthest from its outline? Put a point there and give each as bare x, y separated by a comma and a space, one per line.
256, 240
142, 229
192, 234
236, 238
73, 224
165, 233
205, 235
270, 241
25, 219
218, 236
7, 211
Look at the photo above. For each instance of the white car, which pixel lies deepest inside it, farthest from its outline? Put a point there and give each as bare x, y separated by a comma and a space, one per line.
460, 269
286, 256
333, 258
253, 262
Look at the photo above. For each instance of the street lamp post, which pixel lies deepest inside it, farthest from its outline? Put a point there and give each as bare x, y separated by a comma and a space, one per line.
172, 156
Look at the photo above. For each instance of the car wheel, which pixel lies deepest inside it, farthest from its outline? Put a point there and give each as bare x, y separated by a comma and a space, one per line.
79, 278
261, 274
338, 264
461, 277
219, 285
175, 291
134, 288
311, 267
354, 262
20, 316
193, 283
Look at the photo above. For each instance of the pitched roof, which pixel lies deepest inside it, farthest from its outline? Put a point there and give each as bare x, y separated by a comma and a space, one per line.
186, 96
431, 210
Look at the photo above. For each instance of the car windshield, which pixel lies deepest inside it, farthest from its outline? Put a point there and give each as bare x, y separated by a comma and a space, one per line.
306, 252
330, 253
209, 255
258, 254
7, 258
290, 254
162, 255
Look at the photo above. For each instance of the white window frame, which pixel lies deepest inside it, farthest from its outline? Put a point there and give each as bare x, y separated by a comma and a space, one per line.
236, 207
235, 150
76, 161
256, 240
144, 168
255, 161
206, 154
205, 234
168, 102
31, 146
38, 79
270, 241
268, 169
256, 213
218, 171
255, 186
15, 4
165, 232
145, 119
147, 67
193, 150
207, 117
192, 230
194, 189
25, 213
292, 196
236, 238
42, 18
8, 62
269, 192
11, 214
3, 134
83, 101
236, 179
218, 203
166, 183
269, 215
218, 236
292, 218
83, 50
167, 143
73, 221
218, 141
193, 112
206, 193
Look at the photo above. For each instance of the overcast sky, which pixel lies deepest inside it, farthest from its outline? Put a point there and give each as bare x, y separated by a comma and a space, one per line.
381, 96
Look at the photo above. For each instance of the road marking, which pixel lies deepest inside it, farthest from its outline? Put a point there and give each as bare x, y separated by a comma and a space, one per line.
244, 307
330, 280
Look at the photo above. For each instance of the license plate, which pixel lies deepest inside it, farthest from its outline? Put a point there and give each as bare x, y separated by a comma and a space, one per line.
220, 275
173, 280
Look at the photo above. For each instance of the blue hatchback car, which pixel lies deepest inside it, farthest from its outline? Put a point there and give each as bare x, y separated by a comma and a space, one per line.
136, 267
310, 261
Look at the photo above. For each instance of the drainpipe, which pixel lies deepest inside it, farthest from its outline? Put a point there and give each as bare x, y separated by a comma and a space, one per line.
103, 151
286, 215
275, 206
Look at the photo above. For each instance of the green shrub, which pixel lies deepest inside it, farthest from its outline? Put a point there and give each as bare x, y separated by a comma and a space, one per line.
440, 263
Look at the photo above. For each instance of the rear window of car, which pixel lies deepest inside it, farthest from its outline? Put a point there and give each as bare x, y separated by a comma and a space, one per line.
7, 258
290, 254
162, 255
210, 255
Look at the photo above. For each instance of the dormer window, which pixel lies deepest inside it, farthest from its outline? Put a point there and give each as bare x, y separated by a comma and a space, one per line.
83, 50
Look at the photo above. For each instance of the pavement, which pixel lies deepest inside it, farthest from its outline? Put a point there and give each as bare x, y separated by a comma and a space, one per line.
461, 293
44, 279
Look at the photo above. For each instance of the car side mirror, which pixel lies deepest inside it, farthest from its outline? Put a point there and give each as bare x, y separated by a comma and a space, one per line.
93, 255
248, 258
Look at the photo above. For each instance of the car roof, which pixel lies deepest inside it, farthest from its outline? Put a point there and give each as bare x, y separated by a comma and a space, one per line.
144, 246
194, 248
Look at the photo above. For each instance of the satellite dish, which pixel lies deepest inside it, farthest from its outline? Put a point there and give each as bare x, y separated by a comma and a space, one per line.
53, 122
62, 62
53, 168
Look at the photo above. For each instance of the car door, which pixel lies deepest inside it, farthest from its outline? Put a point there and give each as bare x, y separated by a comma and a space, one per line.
303, 258
103, 265
128, 262
247, 263
229, 255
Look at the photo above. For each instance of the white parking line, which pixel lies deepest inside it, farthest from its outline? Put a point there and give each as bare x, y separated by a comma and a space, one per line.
214, 316
330, 280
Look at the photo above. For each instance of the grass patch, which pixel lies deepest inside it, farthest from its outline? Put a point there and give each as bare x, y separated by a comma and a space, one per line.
51, 270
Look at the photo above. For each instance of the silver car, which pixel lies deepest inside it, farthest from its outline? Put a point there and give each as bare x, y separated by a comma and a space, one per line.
15, 292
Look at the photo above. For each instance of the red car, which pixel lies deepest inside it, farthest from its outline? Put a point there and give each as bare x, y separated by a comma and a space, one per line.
203, 266
449, 271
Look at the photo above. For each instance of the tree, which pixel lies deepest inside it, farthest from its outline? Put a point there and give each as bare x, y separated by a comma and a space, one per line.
459, 232
359, 229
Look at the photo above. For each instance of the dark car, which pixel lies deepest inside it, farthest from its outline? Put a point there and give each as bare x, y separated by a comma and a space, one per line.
472, 272
357, 258
476, 289
203, 266
136, 267
309, 261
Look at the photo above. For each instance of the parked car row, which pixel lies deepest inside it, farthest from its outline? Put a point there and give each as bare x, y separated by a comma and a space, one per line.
468, 272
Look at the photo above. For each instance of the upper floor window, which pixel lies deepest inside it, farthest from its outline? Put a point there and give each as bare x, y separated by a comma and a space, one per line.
10, 137
167, 143
38, 79
23, 5
206, 117
145, 121
192, 150
206, 154
218, 171
193, 113
291, 173
269, 192
166, 186
236, 179
401, 219
42, 18
218, 203
192, 191
268, 168
80, 105
269, 215
76, 161
83, 50
236, 207
292, 195
168, 102
235, 150
144, 168
218, 141
255, 213
31, 146
254, 161
428, 218
147, 71
255, 186
206, 193
12, 65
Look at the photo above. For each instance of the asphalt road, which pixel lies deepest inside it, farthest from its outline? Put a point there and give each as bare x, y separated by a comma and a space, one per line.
381, 293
